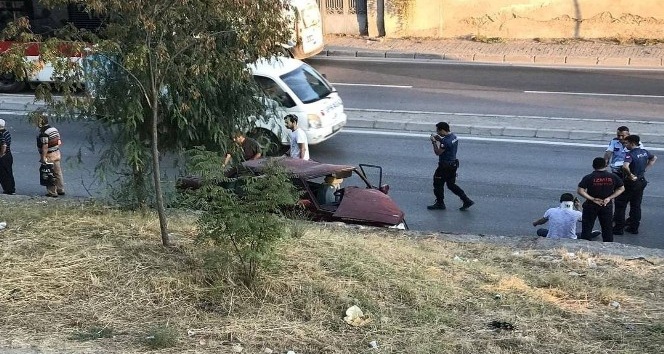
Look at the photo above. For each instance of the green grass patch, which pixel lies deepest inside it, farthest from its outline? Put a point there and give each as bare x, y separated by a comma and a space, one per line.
65, 264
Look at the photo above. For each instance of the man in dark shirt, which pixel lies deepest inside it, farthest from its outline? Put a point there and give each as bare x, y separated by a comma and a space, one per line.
637, 161
445, 145
599, 188
251, 150
6, 161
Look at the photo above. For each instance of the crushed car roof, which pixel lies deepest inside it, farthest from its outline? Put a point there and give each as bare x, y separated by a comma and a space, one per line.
300, 168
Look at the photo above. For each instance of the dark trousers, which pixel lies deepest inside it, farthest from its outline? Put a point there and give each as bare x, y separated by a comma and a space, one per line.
446, 174
633, 195
591, 212
7, 173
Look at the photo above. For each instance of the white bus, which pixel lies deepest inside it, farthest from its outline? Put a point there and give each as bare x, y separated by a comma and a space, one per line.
307, 37
304, 15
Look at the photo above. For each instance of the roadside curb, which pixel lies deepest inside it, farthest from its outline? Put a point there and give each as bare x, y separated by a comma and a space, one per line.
637, 62
526, 127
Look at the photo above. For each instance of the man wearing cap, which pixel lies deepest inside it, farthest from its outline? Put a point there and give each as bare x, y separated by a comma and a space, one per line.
48, 145
6, 161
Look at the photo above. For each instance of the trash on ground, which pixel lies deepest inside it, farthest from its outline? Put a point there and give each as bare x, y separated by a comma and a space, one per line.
355, 317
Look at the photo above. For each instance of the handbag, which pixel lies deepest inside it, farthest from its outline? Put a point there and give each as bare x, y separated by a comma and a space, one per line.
46, 174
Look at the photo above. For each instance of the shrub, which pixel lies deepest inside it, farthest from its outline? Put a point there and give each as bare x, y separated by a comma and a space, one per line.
243, 216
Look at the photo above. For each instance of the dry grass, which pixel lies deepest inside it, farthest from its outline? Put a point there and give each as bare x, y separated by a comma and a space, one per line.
84, 278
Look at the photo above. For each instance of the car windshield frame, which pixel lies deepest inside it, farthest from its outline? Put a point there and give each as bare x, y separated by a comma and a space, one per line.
307, 84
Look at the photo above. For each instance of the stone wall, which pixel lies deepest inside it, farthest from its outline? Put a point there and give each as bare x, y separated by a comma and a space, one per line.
522, 19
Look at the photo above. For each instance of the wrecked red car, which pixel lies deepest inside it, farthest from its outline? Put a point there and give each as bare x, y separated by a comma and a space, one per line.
337, 192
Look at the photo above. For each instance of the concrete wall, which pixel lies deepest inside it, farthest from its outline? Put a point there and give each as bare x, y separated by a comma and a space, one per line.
524, 19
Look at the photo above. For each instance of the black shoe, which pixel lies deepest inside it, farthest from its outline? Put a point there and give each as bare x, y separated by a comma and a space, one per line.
467, 204
51, 195
61, 193
618, 232
595, 233
436, 206
9, 193
632, 230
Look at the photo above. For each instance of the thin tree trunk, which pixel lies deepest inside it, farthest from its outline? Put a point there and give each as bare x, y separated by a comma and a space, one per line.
161, 211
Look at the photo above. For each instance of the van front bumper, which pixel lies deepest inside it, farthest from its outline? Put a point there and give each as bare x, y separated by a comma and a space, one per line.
315, 136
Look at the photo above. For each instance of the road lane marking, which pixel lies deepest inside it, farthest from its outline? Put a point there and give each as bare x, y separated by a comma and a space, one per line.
434, 113
370, 85
593, 94
477, 138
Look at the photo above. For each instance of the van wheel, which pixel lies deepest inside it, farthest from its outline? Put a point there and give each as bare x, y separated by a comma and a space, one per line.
270, 144
9, 84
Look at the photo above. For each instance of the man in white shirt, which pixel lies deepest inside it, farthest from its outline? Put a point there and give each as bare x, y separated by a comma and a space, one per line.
299, 148
562, 220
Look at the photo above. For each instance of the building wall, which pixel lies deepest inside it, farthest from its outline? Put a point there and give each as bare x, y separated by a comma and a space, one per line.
523, 18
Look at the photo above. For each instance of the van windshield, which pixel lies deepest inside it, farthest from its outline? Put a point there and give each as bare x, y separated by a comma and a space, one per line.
307, 84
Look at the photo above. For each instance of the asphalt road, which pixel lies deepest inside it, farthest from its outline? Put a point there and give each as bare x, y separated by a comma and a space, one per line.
79, 159
591, 93
512, 183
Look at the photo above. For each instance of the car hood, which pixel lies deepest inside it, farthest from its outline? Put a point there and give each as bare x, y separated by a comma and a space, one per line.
370, 205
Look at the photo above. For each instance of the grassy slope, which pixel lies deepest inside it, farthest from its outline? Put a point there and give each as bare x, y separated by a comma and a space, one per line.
68, 270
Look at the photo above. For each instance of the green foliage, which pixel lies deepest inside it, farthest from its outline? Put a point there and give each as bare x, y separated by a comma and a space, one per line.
161, 337
93, 333
160, 76
244, 215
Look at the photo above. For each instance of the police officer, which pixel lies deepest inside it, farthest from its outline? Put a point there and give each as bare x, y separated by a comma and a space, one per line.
445, 145
599, 188
637, 161
616, 151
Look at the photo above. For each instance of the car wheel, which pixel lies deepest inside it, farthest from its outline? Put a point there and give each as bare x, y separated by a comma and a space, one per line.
269, 142
9, 84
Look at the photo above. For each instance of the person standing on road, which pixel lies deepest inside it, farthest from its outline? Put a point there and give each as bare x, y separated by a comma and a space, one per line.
616, 151
48, 145
251, 150
445, 145
599, 188
562, 220
637, 161
6, 161
299, 147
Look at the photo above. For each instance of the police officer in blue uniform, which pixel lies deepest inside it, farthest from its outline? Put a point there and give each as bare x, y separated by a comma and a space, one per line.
445, 145
637, 161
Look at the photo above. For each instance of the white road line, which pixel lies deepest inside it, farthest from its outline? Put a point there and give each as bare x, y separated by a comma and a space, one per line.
371, 85
593, 94
477, 138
